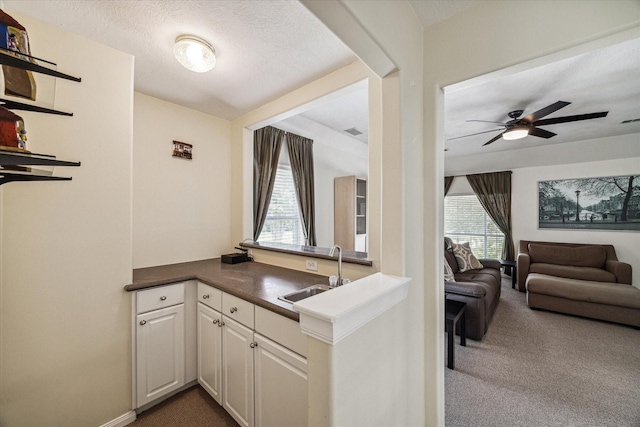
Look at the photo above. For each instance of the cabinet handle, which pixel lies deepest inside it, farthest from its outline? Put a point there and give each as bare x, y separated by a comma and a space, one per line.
221, 324
143, 322
253, 344
205, 296
233, 309
162, 298
215, 321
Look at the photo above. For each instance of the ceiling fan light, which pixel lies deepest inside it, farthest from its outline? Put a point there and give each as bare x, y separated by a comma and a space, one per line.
517, 133
194, 54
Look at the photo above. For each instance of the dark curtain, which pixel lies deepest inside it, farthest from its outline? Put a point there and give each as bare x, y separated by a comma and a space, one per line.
448, 180
301, 159
267, 143
494, 193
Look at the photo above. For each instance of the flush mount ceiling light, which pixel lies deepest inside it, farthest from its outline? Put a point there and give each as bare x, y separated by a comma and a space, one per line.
194, 54
515, 133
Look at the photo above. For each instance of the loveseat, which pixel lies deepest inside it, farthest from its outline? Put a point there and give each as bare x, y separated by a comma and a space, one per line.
478, 288
580, 279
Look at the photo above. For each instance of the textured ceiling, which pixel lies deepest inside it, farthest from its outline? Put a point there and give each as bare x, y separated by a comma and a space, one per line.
264, 48
606, 79
433, 11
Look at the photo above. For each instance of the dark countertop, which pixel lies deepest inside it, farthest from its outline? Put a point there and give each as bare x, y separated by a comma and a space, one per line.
351, 257
260, 284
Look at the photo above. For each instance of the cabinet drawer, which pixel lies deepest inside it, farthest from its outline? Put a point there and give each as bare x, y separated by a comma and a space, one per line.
164, 296
281, 330
238, 309
210, 296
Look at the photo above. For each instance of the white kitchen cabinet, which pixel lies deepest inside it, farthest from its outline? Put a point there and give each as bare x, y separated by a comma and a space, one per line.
209, 342
280, 385
160, 364
237, 371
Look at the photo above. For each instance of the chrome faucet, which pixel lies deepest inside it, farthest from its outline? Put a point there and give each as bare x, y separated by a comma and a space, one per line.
333, 250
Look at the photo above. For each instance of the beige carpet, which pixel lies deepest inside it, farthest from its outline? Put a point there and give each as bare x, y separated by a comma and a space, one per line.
190, 408
537, 368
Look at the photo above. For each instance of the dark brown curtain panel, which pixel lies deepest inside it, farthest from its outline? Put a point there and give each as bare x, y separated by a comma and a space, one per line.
301, 158
267, 143
448, 180
494, 193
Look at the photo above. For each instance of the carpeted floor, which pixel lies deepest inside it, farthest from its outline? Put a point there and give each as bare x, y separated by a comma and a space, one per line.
190, 408
537, 368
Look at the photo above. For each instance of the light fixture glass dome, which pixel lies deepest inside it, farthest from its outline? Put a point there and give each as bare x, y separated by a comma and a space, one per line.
194, 54
515, 133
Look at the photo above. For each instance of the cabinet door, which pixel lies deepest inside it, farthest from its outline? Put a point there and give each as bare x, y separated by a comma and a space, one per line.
159, 352
237, 371
280, 386
210, 351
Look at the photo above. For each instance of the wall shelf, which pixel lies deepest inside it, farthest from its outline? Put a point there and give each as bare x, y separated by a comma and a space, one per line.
11, 176
11, 158
11, 59
17, 160
15, 105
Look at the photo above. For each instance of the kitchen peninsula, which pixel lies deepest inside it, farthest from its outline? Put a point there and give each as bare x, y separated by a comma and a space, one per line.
260, 284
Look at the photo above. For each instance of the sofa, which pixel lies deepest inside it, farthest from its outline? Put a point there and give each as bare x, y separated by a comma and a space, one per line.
478, 288
579, 279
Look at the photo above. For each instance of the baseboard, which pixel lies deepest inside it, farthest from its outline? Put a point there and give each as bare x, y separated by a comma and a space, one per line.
122, 420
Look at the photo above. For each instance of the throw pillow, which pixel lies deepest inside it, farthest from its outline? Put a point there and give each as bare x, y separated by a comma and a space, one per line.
465, 258
448, 272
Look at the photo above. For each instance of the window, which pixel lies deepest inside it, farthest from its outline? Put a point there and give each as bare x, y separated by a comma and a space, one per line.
283, 217
465, 220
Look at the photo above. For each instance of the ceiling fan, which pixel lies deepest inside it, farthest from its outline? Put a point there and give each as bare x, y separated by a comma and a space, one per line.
517, 128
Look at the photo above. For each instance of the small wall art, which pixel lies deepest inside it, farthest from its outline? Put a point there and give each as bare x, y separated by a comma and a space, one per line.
603, 203
183, 150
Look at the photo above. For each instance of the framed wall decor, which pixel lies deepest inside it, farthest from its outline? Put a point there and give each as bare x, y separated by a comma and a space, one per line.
602, 203
183, 150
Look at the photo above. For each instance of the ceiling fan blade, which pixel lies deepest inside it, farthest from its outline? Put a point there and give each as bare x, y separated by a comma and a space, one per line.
479, 133
541, 133
566, 119
492, 140
545, 111
486, 121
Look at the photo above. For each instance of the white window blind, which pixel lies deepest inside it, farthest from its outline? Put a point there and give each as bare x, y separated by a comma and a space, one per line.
465, 220
283, 217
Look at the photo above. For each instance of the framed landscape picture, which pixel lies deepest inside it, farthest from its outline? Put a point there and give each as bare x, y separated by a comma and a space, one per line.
604, 203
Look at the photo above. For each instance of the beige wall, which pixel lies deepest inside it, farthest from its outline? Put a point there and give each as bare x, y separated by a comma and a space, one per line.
525, 208
65, 355
375, 375
181, 208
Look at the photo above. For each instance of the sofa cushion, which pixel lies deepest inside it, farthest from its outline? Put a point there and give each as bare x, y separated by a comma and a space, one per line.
448, 272
465, 258
571, 272
451, 259
615, 294
582, 256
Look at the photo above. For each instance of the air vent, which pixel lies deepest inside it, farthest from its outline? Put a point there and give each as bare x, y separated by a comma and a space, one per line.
353, 131
630, 121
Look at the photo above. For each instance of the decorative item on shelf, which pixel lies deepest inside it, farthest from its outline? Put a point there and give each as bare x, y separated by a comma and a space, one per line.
14, 41
13, 136
182, 149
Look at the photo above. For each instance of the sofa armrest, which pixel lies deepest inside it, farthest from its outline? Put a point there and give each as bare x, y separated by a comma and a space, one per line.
490, 263
522, 264
465, 288
620, 269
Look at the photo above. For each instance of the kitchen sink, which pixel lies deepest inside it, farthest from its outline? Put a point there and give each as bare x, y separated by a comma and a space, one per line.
304, 293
